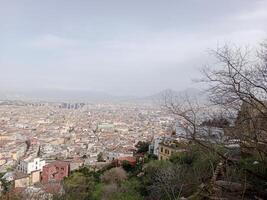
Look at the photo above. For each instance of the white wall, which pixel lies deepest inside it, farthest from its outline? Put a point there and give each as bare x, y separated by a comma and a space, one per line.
29, 166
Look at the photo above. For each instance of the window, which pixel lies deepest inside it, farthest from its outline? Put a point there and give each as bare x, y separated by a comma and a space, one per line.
161, 149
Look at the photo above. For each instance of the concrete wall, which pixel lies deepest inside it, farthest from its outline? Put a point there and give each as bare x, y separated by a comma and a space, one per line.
22, 182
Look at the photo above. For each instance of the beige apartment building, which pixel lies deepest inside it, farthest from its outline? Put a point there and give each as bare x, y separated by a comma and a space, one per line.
168, 148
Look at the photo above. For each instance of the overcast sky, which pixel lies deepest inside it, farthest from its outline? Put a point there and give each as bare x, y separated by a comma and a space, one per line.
122, 47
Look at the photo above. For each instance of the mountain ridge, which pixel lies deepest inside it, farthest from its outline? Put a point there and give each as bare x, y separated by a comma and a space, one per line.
87, 95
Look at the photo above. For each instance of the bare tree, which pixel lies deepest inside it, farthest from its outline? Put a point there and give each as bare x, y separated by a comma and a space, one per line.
190, 115
237, 85
240, 84
115, 175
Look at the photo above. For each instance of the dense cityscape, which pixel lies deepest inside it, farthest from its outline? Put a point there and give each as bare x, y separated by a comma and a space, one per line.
74, 133
53, 131
133, 100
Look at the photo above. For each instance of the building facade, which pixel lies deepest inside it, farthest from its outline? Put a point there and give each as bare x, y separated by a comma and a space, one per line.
154, 146
29, 165
168, 148
55, 171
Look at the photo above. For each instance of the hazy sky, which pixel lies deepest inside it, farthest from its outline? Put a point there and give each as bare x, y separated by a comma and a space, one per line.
123, 47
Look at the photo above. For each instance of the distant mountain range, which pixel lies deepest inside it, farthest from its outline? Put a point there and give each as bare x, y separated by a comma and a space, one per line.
89, 96
189, 92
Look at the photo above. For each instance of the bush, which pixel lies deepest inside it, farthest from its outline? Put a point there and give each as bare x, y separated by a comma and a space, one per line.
78, 186
115, 175
142, 147
127, 166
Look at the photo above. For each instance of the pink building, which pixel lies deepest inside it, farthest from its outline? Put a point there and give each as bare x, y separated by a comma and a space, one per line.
55, 171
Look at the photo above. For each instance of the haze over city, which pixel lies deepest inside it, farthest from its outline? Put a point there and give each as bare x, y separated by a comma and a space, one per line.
133, 99
124, 48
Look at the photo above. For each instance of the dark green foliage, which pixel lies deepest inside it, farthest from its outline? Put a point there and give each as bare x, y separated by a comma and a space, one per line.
142, 147
254, 170
89, 173
79, 186
129, 190
151, 157
126, 196
6, 185
160, 180
181, 176
183, 158
97, 193
127, 166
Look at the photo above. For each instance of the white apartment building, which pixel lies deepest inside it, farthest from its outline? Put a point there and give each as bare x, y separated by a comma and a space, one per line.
154, 146
29, 165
